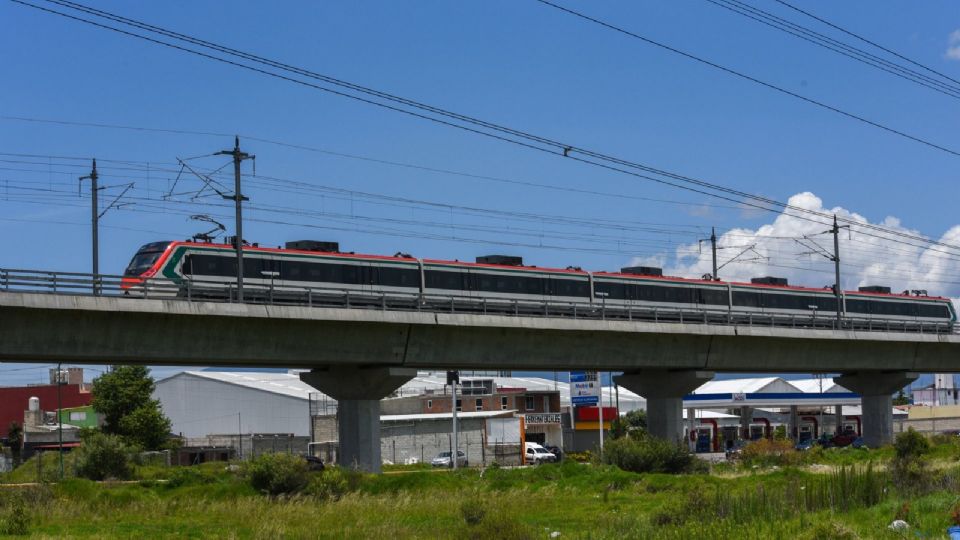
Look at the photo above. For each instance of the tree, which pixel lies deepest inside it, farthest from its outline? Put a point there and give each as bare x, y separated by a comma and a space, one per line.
15, 439
633, 421
123, 397
901, 399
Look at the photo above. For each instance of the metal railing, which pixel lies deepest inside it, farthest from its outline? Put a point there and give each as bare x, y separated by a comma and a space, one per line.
263, 291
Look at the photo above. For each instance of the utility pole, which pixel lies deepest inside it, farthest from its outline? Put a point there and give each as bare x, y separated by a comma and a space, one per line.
713, 245
836, 266
453, 377
238, 199
60, 415
713, 249
94, 221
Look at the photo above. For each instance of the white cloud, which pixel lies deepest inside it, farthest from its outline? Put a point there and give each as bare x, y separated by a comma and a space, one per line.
953, 45
773, 250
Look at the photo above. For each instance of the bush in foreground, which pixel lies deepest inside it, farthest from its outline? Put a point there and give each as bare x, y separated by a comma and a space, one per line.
909, 465
650, 455
767, 453
104, 457
277, 474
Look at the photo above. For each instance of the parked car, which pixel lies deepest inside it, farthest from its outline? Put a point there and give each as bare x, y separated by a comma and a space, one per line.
314, 463
537, 454
804, 445
858, 443
735, 449
843, 440
556, 451
443, 460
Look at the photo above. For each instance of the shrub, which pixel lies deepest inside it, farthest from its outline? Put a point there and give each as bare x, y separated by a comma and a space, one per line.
103, 457
767, 453
649, 454
909, 465
15, 522
275, 473
333, 483
473, 511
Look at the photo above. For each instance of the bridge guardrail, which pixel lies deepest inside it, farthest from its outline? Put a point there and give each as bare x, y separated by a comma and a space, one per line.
258, 292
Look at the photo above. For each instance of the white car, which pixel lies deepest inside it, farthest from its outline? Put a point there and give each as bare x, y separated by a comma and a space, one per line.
443, 460
537, 454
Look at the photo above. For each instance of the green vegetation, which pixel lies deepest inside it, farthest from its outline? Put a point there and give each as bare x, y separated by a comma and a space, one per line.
104, 457
644, 454
761, 499
123, 396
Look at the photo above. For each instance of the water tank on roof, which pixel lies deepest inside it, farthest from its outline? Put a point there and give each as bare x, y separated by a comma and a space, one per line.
33, 404
875, 289
314, 245
642, 270
769, 280
506, 260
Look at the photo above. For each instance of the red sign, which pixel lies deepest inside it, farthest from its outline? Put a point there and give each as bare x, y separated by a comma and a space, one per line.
592, 414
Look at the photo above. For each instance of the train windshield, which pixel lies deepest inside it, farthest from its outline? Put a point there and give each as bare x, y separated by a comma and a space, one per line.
145, 258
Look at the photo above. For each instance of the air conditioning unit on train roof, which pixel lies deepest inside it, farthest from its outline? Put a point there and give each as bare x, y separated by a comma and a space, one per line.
875, 289
769, 280
642, 270
506, 260
314, 245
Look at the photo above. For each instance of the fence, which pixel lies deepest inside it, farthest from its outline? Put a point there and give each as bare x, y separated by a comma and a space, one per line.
260, 292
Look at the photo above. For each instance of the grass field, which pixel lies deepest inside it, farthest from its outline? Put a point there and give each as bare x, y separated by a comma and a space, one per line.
833, 499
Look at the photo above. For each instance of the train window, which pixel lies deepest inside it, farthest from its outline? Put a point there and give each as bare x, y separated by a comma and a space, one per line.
682, 295
253, 268
613, 291
393, 276
714, 297
534, 285
933, 310
746, 299
209, 265
898, 309
787, 301
570, 287
440, 279
857, 306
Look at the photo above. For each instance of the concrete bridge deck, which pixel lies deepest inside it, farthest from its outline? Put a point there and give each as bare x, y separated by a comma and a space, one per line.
48, 327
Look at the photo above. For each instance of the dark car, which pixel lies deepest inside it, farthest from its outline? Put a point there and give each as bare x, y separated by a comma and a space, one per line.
735, 449
555, 450
314, 463
804, 445
858, 443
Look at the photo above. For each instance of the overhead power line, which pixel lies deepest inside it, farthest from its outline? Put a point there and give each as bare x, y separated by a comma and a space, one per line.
865, 40
812, 36
428, 112
750, 78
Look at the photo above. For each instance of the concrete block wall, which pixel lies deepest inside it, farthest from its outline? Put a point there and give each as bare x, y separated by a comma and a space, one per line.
423, 440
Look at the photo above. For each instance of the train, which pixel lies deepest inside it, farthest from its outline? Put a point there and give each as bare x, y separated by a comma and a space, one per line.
498, 282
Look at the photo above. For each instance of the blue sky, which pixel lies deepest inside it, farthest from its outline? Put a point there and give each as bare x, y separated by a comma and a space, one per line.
517, 63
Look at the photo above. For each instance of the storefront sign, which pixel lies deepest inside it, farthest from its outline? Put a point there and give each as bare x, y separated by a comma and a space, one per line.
541, 418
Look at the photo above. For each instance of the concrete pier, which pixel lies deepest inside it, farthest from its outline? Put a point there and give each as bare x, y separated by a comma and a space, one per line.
876, 391
664, 391
358, 391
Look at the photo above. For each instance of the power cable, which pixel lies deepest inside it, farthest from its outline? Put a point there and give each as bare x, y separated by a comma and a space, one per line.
448, 118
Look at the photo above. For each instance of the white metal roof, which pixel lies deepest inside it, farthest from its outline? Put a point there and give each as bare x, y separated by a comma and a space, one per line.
812, 386
287, 384
745, 386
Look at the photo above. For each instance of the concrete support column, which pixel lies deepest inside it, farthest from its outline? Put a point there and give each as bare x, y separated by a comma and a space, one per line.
876, 394
692, 429
358, 391
664, 391
794, 425
746, 416
838, 412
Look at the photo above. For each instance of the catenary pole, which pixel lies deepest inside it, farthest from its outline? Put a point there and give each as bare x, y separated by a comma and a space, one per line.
94, 221
713, 246
238, 199
836, 266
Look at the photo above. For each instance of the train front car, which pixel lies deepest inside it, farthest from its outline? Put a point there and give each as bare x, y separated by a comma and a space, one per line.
144, 265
